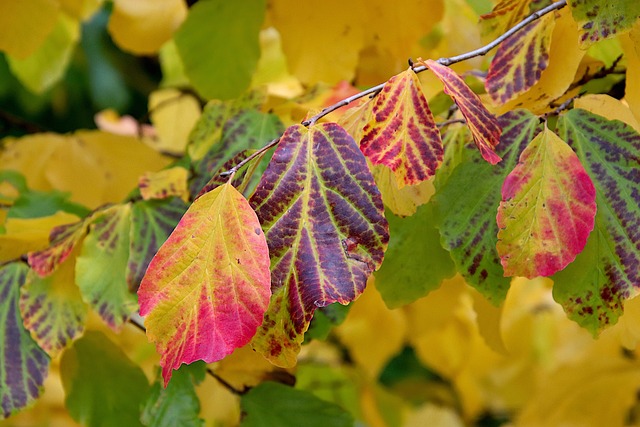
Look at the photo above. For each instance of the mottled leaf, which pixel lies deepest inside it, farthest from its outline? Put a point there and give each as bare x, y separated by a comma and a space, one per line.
247, 129
483, 125
601, 19
593, 288
52, 308
164, 183
151, 224
219, 47
63, 240
178, 404
205, 291
547, 210
103, 387
323, 218
520, 60
466, 206
402, 133
504, 15
101, 266
23, 365
415, 262
276, 405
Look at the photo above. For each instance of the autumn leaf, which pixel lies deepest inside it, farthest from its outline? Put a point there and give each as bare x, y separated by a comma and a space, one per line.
164, 183
593, 288
466, 204
24, 364
504, 15
483, 125
601, 19
323, 219
205, 292
63, 239
401, 201
25, 26
520, 60
402, 133
547, 210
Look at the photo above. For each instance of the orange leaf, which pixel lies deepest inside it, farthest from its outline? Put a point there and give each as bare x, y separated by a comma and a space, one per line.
483, 125
206, 290
402, 133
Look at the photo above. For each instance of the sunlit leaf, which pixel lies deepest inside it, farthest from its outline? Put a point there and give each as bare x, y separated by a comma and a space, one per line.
151, 224
219, 46
47, 65
101, 266
593, 288
23, 365
275, 405
63, 239
483, 125
402, 133
466, 206
601, 19
165, 183
415, 262
178, 404
142, 26
608, 107
25, 25
103, 387
52, 307
80, 9
520, 60
547, 210
323, 219
205, 291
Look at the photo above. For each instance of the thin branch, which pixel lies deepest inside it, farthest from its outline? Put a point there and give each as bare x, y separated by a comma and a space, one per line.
450, 122
137, 321
260, 152
444, 61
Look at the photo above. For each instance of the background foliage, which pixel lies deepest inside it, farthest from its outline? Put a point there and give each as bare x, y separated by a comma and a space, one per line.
118, 116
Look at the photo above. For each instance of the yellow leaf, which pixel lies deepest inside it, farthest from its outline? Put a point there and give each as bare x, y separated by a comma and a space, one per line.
25, 25
564, 58
321, 40
47, 65
489, 319
402, 201
628, 327
142, 26
173, 115
607, 106
246, 368
80, 9
165, 183
27, 235
432, 415
95, 167
368, 320
631, 47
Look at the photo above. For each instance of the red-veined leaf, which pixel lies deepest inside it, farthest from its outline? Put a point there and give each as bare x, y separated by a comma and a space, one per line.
207, 288
402, 133
547, 210
483, 125
520, 60
324, 221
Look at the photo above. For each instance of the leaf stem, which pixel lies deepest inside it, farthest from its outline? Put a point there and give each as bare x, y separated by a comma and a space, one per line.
443, 61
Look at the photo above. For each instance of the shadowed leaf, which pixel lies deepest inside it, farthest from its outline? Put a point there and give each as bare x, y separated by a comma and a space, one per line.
207, 288
593, 288
483, 125
402, 133
23, 365
547, 210
323, 218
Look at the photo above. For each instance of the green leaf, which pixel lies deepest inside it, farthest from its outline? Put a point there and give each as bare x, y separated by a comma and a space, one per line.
103, 387
23, 365
207, 288
219, 47
593, 288
275, 405
467, 202
547, 210
325, 319
152, 222
323, 218
102, 264
178, 404
415, 262
602, 19
36, 204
